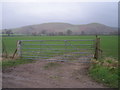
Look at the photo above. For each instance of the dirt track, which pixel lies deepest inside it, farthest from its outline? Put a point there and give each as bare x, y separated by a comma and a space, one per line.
34, 75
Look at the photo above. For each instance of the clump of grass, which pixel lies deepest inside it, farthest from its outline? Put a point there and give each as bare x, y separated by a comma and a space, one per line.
51, 65
55, 77
107, 62
11, 63
105, 71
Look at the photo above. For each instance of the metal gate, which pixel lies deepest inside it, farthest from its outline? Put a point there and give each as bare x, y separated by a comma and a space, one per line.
57, 50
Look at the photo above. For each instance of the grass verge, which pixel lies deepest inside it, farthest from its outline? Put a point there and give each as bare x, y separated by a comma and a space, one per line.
105, 71
11, 63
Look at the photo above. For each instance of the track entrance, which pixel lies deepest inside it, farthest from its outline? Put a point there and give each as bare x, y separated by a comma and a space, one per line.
57, 50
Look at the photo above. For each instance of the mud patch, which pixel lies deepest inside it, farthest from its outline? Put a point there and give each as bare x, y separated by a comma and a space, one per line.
34, 75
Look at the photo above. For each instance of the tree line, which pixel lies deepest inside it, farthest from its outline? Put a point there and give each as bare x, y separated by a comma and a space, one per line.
68, 32
44, 32
9, 32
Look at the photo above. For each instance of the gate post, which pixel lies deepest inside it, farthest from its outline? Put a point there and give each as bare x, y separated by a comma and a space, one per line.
97, 48
19, 48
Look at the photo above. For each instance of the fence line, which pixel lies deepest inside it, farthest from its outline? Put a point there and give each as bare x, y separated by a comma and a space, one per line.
69, 48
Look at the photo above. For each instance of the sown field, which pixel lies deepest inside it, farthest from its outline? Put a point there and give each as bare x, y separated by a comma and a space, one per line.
109, 44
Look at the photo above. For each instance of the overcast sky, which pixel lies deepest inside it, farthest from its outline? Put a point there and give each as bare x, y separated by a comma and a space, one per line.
17, 14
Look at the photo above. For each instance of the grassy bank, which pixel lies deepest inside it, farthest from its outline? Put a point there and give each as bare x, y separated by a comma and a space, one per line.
11, 63
105, 71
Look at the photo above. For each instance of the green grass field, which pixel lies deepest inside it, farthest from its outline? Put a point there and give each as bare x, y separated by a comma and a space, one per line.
109, 44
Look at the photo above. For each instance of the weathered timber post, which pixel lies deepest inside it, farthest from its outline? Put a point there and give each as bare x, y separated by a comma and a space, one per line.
97, 48
19, 48
16, 50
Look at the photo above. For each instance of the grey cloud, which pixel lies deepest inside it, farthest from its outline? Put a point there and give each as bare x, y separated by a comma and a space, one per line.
21, 14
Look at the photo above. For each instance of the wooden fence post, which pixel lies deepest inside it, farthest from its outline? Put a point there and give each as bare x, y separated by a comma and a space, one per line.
19, 48
97, 48
16, 50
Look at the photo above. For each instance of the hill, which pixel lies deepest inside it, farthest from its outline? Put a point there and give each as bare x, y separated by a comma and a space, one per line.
92, 28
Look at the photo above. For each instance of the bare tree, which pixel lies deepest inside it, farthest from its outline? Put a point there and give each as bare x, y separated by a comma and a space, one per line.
60, 33
3, 32
34, 33
82, 33
51, 34
69, 32
9, 32
43, 32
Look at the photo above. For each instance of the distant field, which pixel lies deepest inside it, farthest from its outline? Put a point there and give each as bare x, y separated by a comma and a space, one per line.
109, 44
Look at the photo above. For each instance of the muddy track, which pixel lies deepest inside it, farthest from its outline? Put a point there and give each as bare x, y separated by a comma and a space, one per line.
34, 75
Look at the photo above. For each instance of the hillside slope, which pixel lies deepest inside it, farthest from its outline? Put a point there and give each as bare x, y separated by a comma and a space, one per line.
63, 27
